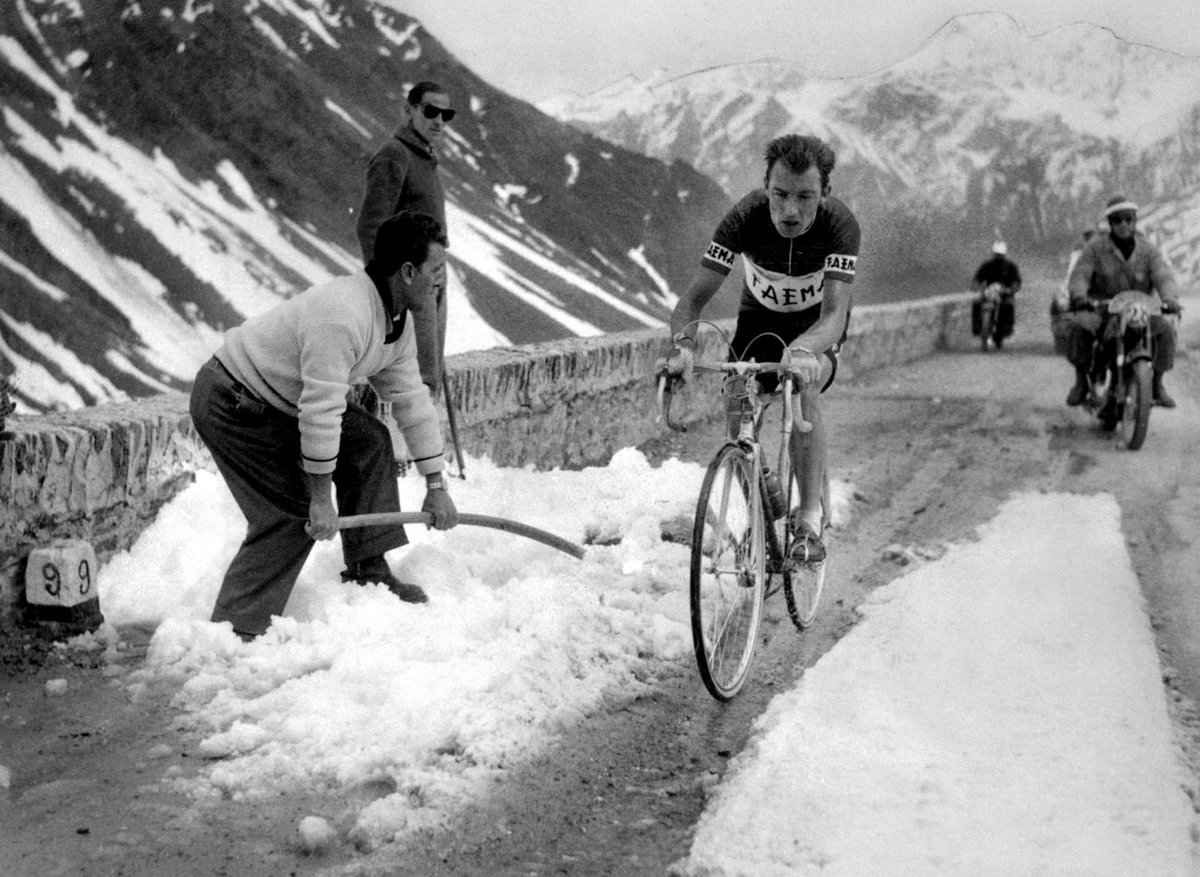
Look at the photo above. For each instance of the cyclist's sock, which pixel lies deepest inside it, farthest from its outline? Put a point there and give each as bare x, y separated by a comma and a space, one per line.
812, 519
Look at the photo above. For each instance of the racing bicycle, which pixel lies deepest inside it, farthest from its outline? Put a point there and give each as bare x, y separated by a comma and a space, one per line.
744, 529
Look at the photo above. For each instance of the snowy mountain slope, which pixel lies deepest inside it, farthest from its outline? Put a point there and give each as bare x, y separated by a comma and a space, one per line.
985, 128
167, 170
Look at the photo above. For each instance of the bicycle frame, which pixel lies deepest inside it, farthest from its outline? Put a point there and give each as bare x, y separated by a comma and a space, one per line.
740, 379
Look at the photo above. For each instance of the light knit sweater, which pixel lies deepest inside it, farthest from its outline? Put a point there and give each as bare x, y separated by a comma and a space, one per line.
303, 356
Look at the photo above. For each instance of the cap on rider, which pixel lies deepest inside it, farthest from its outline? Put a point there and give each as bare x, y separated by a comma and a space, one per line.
1119, 204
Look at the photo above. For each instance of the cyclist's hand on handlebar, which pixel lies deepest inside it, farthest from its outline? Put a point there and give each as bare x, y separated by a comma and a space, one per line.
677, 364
803, 365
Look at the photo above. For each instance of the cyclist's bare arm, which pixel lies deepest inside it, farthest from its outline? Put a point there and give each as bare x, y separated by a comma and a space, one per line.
690, 306
827, 330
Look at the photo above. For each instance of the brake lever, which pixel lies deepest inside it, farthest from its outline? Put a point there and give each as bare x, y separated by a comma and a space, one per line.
666, 394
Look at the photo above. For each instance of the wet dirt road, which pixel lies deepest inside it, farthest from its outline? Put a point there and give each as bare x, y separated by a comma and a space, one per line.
932, 449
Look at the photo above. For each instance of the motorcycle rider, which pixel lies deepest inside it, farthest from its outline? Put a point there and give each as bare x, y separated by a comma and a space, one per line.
1112, 263
1002, 270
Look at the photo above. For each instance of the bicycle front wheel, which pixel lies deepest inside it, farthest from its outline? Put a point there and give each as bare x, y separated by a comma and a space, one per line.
728, 571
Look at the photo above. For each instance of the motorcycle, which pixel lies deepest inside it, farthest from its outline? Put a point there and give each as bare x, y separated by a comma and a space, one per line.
1121, 391
987, 315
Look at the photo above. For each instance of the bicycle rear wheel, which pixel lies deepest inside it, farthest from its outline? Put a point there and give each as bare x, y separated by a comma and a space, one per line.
803, 583
727, 574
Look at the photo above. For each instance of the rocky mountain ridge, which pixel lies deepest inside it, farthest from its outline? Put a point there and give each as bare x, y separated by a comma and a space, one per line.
169, 167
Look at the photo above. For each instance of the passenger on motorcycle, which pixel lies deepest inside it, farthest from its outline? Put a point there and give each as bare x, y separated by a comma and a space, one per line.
1112, 263
1002, 271
799, 248
1060, 305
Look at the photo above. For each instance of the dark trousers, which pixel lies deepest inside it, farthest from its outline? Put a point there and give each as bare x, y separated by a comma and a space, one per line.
257, 450
1081, 333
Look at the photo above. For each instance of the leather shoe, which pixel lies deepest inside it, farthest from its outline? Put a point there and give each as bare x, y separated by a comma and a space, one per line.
374, 570
1077, 395
1163, 399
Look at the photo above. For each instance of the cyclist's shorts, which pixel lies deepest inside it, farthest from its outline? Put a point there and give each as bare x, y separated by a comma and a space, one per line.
762, 336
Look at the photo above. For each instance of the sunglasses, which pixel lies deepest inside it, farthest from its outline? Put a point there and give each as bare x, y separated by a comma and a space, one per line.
429, 111
1118, 218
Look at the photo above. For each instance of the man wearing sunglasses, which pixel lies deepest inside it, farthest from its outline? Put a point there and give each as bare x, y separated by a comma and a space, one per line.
403, 176
1109, 264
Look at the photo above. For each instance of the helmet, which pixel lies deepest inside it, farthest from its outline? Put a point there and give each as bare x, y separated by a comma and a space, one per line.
1000, 248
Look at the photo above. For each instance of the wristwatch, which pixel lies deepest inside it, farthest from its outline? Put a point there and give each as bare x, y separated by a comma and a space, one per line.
435, 484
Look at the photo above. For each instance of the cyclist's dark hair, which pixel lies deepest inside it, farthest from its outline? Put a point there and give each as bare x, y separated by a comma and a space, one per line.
417, 93
800, 152
405, 237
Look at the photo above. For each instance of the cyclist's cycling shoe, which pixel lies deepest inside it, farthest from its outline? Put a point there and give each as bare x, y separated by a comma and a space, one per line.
807, 547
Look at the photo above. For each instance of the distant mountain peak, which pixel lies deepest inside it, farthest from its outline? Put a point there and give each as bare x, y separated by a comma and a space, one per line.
985, 125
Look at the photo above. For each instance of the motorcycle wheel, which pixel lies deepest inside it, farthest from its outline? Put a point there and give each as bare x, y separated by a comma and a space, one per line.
1135, 419
1107, 401
987, 325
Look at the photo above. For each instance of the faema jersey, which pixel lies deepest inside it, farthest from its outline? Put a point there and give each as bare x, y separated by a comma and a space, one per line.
786, 275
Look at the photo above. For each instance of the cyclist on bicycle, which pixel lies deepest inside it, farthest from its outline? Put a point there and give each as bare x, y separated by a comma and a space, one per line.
799, 247
1111, 263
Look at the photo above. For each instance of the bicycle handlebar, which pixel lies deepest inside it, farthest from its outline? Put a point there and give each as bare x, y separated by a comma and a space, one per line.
666, 389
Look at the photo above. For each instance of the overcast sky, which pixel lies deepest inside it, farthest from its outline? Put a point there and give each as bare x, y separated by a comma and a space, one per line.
536, 49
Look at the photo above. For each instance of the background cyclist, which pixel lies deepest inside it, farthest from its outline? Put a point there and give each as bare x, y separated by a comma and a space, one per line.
799, 248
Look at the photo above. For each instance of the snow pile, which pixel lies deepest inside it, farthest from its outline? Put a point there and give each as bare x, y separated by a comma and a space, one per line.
998, 712
354, 689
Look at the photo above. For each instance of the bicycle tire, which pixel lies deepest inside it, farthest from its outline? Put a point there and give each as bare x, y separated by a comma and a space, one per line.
1135, 418
727, 573
803, 584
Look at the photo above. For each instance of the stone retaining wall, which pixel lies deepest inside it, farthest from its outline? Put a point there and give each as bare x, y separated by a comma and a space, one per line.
102, 473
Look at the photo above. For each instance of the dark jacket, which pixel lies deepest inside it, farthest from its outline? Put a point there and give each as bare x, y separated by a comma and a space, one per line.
402, 175
998, 269
1102, 270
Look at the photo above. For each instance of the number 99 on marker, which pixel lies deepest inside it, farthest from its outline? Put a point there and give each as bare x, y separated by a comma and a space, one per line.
61, 574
